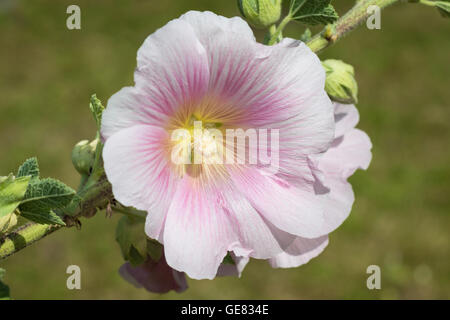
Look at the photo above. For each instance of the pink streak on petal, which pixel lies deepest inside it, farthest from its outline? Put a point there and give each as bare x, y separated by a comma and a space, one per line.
140, 172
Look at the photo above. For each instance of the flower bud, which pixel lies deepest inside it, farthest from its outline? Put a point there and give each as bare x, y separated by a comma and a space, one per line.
260, 13
340, 83
83, 156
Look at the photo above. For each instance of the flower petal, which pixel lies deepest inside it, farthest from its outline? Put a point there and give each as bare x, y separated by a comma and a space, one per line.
197, 230
129, 107
337, 198
207, 23
288, 208
140, 172
347, 154
230, 270
300, 252
346, 117
256, 235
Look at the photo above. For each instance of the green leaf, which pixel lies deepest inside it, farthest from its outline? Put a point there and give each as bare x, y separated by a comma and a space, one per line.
97, 110
12, 191
132, 240
228, 259
43, 217
4, 289
42, 197
29, 168
313, 12
134, 257
154, 249
47, 194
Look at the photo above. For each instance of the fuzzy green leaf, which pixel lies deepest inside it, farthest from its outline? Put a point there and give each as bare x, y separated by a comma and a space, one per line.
43, 217
12, 192
313, 12
29, 168
42, 197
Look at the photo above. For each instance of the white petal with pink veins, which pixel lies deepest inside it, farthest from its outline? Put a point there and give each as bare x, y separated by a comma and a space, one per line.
197, 231
140, 173
291, 209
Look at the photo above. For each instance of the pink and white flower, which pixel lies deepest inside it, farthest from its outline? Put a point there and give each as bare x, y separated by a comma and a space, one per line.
207, 67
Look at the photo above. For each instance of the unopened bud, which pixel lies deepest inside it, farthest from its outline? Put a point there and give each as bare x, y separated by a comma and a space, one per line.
83, 156
260, 13
340, 83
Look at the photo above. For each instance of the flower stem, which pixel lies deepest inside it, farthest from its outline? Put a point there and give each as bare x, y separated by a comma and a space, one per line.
345, 24
428, 3
94, 195
23, 237
276, 34
134, 213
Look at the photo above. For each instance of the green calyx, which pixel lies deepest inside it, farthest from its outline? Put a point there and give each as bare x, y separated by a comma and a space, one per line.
133, 242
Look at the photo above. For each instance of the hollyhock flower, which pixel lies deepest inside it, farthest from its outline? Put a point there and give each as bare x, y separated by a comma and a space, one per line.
210, 68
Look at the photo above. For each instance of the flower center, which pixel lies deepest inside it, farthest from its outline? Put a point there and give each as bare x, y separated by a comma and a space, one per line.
197, 143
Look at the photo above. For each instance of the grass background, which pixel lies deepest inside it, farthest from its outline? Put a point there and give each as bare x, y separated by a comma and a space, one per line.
400, 220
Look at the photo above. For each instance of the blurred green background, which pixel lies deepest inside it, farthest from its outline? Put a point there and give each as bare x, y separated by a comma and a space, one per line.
400, 220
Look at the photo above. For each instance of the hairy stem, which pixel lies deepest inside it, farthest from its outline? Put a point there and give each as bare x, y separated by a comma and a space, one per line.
352, 19
94, 195
23, 237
